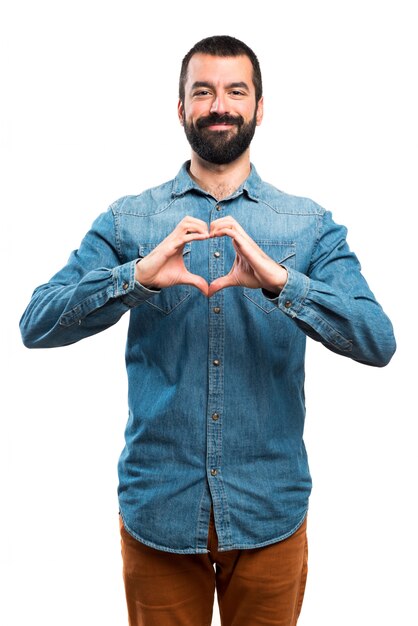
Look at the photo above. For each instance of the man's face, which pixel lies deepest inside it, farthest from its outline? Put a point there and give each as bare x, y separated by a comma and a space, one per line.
219, 112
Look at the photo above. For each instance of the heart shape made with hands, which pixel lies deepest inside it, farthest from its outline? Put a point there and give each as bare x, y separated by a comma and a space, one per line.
252, 267
241, 274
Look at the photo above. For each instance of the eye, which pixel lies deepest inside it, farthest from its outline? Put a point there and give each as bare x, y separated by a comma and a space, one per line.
237, 93
201, 93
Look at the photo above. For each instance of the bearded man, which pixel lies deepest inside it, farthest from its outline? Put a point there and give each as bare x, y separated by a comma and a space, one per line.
223, 276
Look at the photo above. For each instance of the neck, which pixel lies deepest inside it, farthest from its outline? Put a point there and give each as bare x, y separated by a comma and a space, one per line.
220, 180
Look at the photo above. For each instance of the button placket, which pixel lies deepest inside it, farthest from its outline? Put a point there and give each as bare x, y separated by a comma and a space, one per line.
215, 373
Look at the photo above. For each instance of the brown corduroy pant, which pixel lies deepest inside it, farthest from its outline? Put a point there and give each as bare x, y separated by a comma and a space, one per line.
257, 587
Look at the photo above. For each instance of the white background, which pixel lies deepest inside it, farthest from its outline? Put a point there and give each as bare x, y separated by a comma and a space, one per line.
89, 114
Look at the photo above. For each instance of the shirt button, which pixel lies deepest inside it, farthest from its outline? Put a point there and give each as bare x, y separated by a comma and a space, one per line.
216, 309
125, 286
288, 304
217, 254
218, 207
215, 417
213, 472
216, 362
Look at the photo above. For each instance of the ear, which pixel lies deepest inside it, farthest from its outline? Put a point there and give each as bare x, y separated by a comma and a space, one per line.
180, 111
260, 111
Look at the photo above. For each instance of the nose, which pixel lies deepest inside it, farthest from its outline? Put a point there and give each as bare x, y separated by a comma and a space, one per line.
219, 105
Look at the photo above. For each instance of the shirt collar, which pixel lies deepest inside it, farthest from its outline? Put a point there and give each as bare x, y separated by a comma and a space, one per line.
183, 183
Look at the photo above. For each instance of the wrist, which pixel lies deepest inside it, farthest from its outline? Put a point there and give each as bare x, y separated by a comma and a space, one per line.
141, 279
277, 283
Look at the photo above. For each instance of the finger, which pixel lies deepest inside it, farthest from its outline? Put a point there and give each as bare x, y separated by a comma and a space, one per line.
178, 241
195, 236
195, 220
192, 224
189, 229
228, 222
227, 219
239, 240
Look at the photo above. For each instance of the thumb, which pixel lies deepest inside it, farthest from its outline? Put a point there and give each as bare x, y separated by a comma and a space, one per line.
221, 283
197, 281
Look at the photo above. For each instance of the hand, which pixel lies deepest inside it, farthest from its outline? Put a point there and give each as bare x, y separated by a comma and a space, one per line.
252, 267
164, 266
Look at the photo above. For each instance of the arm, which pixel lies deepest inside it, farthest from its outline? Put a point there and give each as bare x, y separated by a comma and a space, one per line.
332, 303
96, 287
88, 295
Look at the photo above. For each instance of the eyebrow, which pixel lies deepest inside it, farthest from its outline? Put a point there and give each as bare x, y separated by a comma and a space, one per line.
239, 84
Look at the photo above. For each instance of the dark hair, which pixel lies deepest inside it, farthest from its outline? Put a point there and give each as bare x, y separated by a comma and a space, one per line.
222, 46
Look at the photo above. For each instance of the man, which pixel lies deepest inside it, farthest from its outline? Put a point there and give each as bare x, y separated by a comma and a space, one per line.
223, 276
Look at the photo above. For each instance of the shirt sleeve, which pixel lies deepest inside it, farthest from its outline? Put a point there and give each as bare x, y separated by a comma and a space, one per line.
333, 304
88, 295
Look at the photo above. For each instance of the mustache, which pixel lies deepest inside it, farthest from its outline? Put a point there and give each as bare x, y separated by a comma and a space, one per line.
215, 118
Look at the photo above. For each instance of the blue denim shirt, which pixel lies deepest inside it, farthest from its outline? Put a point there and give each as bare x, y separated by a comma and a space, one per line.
216, 386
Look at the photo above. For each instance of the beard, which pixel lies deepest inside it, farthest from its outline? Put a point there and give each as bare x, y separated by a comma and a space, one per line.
223, 146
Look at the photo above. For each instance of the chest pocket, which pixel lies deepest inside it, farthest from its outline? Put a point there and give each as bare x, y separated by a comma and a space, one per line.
282, 253
170, 297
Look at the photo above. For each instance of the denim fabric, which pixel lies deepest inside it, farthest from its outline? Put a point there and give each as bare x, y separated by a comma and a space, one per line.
216, 386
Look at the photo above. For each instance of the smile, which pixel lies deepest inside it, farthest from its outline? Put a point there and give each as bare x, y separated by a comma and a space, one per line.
220, 126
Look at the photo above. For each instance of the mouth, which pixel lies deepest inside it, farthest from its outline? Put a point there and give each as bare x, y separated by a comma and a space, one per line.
218, 123
220, 127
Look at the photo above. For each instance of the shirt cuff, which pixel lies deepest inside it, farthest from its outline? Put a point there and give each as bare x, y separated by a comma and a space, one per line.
291, 298
126, 287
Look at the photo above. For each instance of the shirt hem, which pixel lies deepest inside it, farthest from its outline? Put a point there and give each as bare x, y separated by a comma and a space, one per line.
263, 544
156, 546
235, 546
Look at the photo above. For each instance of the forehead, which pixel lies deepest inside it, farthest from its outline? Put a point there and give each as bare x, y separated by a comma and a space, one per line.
219, 70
